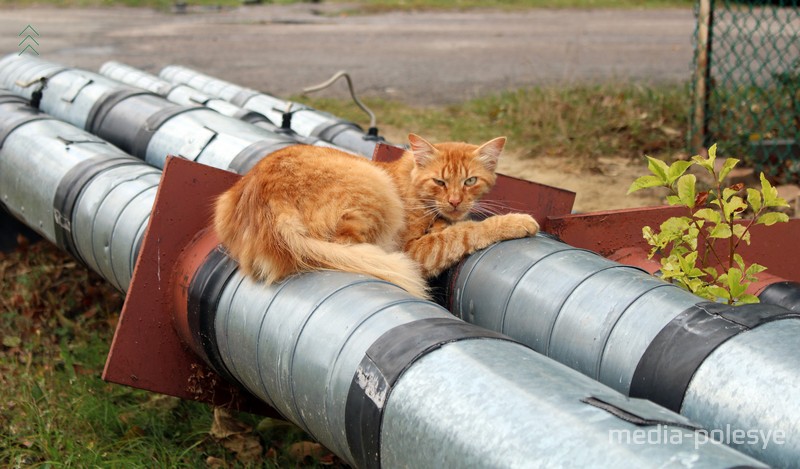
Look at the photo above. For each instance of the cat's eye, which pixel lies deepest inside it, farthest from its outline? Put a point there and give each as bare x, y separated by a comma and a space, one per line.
470, 181
439, 182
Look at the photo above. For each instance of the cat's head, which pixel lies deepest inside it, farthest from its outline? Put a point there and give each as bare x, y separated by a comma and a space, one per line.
449, 178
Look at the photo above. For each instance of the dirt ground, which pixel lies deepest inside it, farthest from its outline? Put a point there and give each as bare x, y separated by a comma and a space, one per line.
602, 187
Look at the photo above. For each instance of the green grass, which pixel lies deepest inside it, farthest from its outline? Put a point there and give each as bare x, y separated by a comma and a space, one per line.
56, 324
581, 123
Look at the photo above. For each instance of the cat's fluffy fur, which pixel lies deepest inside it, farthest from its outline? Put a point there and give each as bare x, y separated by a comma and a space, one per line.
308, 208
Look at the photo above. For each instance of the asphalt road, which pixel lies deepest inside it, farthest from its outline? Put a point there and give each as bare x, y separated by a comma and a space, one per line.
423, 58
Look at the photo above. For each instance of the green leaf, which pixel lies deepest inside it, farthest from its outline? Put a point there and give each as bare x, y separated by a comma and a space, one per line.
658, 168
747, 299
644, 182
686, 189
754, 199
730, 163
733, 208
677, 169
755, 269
721, 230
770, 194
771, 218
704, 163
712, 272
739, 260
673, 200
727, 193
740, 231
734, 282
712, 153
708, 214
719, 292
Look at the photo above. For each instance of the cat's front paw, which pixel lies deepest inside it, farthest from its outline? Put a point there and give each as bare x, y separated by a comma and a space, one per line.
515, 225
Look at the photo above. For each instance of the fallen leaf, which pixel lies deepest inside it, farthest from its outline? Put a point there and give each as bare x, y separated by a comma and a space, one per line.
236, 436
226, 425
246, 447
11, 341
305, 449
215, 463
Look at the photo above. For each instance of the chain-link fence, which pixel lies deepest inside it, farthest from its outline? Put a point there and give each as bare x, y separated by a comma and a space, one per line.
747, 82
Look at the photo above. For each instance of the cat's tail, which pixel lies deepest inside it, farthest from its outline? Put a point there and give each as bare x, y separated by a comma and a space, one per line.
369, 259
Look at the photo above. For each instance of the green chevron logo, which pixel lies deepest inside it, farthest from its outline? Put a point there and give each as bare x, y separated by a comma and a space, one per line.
29, 40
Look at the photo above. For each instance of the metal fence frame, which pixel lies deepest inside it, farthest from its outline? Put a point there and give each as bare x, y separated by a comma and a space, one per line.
746, 85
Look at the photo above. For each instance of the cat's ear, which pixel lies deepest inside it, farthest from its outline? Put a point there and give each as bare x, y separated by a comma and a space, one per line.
489, 152
422, 149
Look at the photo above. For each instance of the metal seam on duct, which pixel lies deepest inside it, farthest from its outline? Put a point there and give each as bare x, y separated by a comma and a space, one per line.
564, 300
11, 98
14, 124
327, 131
113, 237
293, 400
205, 290
69, 190
786, 294
383, 365
253, 153
151, 126
666, 368
633, 418
232, 365
477, 257
101, 107
243, 96
601, 355
259, 366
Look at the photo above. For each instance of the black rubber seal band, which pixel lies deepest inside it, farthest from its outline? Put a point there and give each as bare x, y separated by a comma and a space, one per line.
151, 126
205, 290
383, 364
106, 103
23, 115
69, 190
252, 154
665, 370
328, 132
785, 294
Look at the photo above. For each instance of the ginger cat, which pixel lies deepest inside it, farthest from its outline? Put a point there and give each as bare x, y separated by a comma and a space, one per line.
308, 208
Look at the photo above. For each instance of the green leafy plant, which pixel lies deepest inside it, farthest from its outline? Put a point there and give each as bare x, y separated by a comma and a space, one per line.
699, 251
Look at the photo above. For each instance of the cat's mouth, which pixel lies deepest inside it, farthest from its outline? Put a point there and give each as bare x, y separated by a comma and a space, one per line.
453, 213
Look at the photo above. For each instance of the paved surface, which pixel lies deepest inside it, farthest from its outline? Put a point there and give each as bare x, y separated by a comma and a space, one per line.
422, 58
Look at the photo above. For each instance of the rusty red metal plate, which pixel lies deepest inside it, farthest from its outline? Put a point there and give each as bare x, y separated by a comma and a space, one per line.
510, 194
617, 234
147, 351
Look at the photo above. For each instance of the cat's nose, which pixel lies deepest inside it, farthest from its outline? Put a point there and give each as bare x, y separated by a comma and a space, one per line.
454, 201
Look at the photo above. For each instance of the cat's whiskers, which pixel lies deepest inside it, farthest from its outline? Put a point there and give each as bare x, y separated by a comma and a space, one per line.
489, 207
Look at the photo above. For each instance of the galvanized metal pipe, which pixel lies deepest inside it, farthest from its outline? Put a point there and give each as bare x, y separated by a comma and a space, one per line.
180, 93
364, 367
333, 382
140, 122
305, 120
76, 190
185, 95
643, 337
